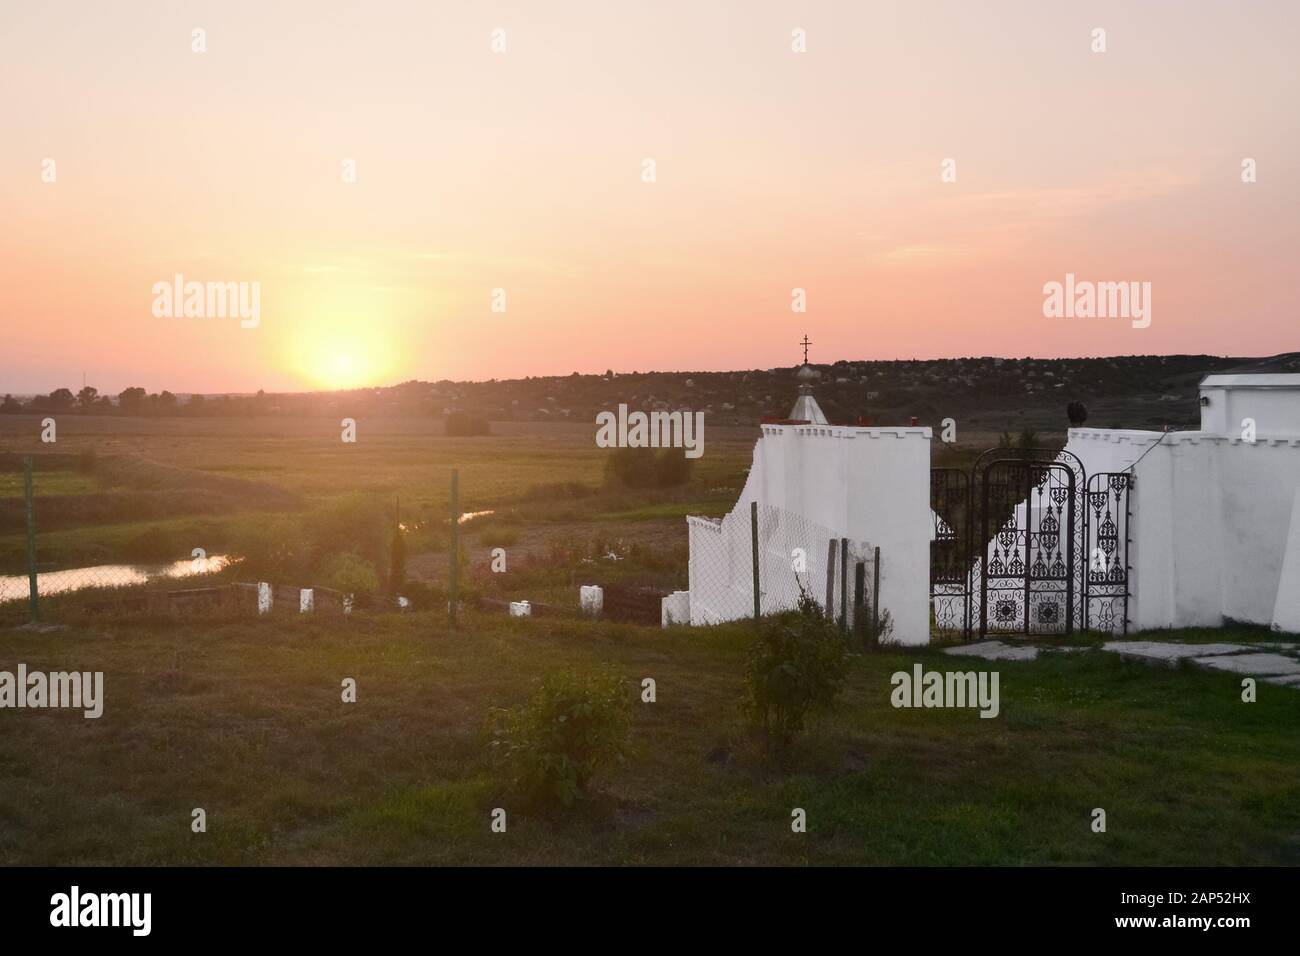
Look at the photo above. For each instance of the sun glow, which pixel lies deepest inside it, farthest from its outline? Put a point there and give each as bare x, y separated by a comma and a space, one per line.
350, 359
341, 336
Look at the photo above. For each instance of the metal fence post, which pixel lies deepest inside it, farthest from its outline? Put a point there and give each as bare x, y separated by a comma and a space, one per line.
830, 579
875, 597
453, 589
859, 595
844, 586
30, 495
753, 532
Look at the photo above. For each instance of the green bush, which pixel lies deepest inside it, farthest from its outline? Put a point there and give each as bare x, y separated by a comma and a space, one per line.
572, 727
648, 467
357, 523
796, 669
350, 574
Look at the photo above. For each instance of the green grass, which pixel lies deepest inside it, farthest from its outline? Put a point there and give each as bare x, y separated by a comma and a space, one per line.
50, 483
157, 473
243, 717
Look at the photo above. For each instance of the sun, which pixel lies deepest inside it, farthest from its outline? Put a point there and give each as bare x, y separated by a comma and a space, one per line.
340, 361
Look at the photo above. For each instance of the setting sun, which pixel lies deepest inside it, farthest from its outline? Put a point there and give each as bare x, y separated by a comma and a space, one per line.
344, 361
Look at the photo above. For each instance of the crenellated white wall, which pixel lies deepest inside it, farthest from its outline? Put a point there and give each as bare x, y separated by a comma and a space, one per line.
1212, 519
865, 484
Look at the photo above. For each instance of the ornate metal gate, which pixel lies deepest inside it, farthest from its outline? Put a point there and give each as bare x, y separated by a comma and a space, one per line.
1027, 517
1026, 543
1107, 571
950, 550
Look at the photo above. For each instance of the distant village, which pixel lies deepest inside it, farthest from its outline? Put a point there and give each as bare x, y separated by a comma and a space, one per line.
1121, 391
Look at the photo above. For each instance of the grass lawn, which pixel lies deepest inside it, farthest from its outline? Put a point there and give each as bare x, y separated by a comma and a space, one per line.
243, 718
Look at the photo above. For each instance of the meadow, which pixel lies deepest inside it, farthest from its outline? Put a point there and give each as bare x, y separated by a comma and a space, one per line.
152, 489
244, 718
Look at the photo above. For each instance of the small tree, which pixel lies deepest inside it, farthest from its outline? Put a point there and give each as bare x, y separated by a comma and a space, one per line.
796, 669
350, 574
573, 726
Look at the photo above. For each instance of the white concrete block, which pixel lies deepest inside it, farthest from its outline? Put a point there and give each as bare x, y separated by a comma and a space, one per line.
263, 598
348, 601
675, 609
520, 609
306, 601
592, 598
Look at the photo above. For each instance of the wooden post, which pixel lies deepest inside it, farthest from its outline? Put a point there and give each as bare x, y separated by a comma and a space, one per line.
30, 494
453, 588
753, 533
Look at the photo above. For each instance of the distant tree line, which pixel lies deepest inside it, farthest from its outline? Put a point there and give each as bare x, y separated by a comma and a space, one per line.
138, 401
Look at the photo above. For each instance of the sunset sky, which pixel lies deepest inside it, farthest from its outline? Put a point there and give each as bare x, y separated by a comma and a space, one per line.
522, 170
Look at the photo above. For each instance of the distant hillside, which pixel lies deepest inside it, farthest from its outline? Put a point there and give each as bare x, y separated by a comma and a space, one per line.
983, 394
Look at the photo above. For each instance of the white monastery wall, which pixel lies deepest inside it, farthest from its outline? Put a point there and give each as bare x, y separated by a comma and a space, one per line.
867, 484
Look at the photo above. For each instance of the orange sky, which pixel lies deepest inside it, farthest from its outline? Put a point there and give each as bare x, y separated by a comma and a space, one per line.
522, 170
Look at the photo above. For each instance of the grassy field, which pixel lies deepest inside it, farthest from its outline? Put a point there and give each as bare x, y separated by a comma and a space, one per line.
244, 718
154, 489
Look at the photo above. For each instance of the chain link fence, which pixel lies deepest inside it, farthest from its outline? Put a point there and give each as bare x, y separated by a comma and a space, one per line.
763, 560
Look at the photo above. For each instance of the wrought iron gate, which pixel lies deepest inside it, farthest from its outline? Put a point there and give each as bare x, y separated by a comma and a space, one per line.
1027, 516
1027, 543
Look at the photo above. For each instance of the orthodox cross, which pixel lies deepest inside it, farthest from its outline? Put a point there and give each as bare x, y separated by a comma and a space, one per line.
805, 343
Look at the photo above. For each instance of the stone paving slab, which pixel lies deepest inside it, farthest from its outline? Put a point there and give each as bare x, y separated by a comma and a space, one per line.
1170, 653
993, 651
1253, 664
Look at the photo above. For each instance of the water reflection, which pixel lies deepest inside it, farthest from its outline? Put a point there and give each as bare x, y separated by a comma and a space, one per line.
14, 587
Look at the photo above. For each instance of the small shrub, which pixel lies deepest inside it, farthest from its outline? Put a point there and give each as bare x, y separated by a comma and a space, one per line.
796, 669
357, 523
571, 728
350, 574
